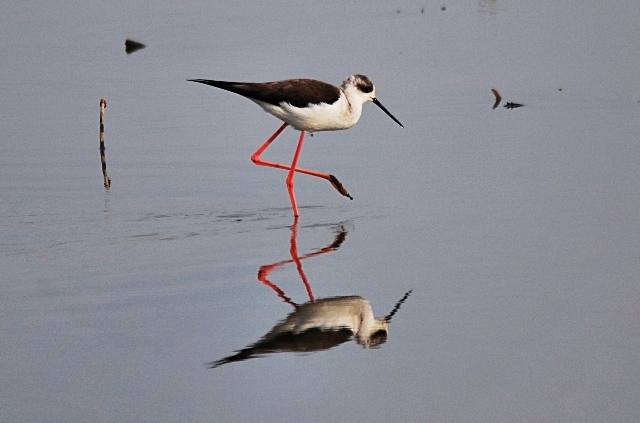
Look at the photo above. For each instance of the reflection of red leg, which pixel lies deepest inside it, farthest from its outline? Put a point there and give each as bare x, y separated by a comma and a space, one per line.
262, 277
296, 259
264, 271
255, 157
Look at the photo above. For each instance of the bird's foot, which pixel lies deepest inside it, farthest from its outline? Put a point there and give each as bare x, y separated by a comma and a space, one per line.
337, 185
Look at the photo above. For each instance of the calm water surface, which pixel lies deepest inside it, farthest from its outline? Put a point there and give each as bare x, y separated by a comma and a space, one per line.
517, 230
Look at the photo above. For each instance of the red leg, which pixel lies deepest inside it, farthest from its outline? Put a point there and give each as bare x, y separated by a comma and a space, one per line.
292, 173
255, 157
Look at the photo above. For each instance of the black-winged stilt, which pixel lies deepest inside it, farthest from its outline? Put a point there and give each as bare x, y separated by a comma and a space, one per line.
307, 105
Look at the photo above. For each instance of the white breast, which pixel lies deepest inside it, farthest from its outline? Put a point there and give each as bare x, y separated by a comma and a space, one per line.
317, 117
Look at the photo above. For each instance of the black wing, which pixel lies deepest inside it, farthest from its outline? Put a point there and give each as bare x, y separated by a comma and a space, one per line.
297, 92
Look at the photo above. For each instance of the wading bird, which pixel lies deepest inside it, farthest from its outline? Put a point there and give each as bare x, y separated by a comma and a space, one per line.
307, 105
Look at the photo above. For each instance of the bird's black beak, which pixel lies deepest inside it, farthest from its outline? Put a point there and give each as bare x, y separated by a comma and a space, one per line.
377, 103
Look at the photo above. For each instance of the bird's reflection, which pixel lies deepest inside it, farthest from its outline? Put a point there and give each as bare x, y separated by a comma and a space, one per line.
318, 324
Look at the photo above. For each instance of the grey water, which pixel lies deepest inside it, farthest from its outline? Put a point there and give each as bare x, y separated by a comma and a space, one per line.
518, 231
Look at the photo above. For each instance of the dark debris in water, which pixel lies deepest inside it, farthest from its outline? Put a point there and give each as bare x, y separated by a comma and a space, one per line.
498, 97
511, 105
508, 105
131, 46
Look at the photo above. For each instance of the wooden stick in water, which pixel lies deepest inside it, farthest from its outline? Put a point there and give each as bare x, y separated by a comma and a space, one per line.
107, 181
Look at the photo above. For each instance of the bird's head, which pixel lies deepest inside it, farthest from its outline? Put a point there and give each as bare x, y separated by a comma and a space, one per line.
360, 88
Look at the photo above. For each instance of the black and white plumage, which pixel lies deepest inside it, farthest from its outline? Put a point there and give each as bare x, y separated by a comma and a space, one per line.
320, 325
315, 326
308, 104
